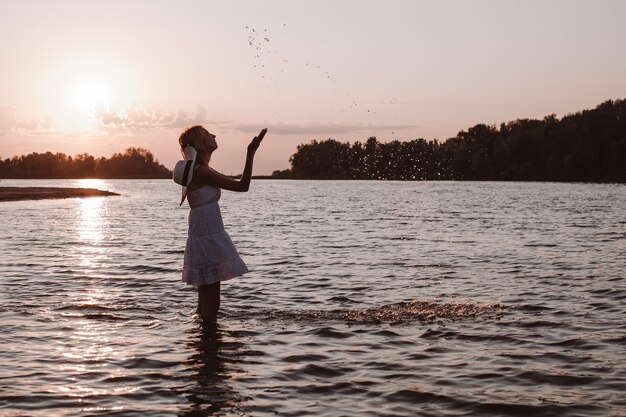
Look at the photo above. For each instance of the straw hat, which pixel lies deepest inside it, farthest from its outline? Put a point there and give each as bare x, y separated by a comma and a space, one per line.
183, 171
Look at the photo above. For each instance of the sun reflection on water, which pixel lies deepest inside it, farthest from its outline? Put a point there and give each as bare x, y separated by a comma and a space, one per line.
89, 310
91, 183
92, 346
90, 220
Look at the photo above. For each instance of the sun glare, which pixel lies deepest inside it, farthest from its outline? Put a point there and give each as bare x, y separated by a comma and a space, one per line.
88, 94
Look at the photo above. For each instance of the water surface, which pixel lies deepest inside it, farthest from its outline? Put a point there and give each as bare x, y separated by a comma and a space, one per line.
364, 298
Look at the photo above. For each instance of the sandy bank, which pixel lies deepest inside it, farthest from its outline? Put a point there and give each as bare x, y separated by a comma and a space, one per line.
38, 193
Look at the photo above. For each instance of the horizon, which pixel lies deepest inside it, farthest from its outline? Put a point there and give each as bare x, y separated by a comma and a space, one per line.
402, 71
122, 151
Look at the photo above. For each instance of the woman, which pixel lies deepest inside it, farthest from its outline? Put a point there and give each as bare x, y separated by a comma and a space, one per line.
210, 256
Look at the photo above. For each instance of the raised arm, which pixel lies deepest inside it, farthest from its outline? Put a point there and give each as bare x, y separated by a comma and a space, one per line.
204, 175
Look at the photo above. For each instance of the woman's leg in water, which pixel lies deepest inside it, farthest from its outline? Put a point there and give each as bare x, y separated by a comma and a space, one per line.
209, 301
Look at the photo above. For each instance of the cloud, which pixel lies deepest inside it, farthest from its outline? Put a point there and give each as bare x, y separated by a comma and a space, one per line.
7, 118
9, 122
140, 118
112, 122
137, 119
316, 128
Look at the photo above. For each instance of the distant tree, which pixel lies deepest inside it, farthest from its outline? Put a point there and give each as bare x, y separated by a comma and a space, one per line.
133, 163
325, 159
286, 173
585, 146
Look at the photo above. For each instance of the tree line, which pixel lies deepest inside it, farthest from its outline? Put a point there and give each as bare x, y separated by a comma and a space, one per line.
132, 163
585, 146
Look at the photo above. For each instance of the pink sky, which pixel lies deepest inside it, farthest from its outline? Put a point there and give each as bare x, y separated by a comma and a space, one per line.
99, 77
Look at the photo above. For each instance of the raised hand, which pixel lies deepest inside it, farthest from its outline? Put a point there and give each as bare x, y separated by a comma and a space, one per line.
254, 145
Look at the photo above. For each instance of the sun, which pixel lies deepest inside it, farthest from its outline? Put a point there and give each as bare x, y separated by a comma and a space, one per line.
87, 94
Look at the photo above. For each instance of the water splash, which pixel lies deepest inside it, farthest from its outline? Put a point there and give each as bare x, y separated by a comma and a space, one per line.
401, 312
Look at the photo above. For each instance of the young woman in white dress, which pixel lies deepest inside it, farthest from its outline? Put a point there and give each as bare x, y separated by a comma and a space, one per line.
210, 256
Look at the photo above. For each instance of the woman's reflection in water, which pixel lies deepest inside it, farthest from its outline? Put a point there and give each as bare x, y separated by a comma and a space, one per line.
214, 363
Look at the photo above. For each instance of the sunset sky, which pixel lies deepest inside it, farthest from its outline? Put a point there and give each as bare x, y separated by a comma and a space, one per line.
98, 77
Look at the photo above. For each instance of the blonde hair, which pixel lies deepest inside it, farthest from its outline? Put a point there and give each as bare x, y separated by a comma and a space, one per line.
191, 137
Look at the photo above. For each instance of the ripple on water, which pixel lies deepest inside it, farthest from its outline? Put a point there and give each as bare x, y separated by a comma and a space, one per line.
331, 320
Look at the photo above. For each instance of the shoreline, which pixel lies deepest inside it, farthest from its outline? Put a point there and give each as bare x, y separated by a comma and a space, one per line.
41, 193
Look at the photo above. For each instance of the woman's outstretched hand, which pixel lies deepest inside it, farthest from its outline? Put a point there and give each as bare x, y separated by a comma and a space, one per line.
254, 145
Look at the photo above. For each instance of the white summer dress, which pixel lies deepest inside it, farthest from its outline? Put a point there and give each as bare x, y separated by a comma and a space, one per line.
210, 255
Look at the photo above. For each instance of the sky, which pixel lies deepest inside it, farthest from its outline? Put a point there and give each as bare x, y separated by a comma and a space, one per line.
101, 76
